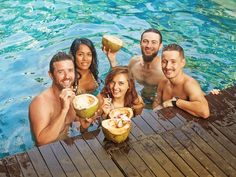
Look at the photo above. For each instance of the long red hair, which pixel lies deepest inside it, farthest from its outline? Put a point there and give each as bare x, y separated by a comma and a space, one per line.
131, 94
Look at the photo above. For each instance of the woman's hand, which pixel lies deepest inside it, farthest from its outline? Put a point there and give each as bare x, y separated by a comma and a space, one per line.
111, 56
107, 106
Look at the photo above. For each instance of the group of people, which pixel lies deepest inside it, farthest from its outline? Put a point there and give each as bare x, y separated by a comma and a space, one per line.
51, 112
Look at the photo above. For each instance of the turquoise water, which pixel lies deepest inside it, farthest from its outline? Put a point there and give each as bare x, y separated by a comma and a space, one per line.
31, 32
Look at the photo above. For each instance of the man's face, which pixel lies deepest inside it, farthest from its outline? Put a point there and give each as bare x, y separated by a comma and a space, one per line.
150, 45
172, 63
63, 75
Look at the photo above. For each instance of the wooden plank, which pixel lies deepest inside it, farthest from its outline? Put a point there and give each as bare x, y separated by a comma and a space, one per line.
197, 153
153, 123
149, 160
171, 154
3, 170
104, 158
64, 160
38, 162
12, 166
138, 163
123, 163
26, 165
137, 132
90, 158
224, 153
185, 154
78, 160
51, 161
211, 154
161, 158
146, 129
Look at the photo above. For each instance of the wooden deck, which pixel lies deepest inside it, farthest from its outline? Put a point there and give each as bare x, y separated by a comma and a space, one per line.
169, 142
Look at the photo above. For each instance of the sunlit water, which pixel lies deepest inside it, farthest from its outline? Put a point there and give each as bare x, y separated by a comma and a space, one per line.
31, 32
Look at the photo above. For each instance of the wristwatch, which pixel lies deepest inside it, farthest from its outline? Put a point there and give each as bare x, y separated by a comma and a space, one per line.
174, 101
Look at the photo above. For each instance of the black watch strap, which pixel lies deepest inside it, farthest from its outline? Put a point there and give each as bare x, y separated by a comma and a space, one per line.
174, 101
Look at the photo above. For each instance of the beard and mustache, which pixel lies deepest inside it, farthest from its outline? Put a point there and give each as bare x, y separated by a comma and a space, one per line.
149, 58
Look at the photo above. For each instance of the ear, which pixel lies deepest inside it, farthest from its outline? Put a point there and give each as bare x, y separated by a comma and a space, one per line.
183, 62
50, 74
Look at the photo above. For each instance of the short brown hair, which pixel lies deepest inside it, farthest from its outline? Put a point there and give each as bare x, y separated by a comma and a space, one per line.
174, 47
154, 31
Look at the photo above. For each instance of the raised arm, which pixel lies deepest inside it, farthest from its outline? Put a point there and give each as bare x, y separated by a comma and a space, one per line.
197, 104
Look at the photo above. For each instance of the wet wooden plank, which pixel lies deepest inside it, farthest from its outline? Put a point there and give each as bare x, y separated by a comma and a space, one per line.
3, 170
64, 159
152, 122
146, 129
138, 163
161, 158
197, 153
162, 117
104, 158
123, 163
12, 166
149, 160
38, 162
185, 154
217, 147
51, 161
26, 165
173, 156
78, 160
90, 158
211, 154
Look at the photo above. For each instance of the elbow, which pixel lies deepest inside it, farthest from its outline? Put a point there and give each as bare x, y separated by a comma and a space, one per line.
205, 114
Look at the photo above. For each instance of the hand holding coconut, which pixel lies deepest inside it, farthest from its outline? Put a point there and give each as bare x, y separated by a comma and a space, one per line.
110, 46
66, 96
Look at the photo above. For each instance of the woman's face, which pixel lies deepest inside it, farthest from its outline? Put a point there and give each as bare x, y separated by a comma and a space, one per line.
119, 85
83, 57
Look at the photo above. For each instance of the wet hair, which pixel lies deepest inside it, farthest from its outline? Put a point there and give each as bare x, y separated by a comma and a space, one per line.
75, 47
131, 94
174, 47
154, 31
60, 56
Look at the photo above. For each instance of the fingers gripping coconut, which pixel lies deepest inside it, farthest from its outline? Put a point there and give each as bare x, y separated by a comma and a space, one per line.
110, 46
118, 127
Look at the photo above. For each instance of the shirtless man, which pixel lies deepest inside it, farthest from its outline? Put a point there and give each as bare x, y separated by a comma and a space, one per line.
179, 89
146, 68
51, 112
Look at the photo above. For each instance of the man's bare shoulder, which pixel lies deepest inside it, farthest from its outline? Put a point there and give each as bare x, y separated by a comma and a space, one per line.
192, 85
135, 60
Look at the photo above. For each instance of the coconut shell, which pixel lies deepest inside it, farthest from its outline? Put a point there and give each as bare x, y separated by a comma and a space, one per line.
124, 110
87, 111
112, 43
117, 135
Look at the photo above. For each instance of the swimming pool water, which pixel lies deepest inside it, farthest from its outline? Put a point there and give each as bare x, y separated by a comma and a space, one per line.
31, 32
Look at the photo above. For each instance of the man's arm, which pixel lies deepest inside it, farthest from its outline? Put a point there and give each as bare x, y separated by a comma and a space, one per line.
197, 104
44, 127
157, 103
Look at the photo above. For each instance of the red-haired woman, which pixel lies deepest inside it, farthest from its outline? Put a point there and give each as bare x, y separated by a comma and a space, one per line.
119, 91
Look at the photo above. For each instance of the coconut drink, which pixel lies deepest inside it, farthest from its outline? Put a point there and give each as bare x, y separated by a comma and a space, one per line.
118, 127
85, 105
112, 43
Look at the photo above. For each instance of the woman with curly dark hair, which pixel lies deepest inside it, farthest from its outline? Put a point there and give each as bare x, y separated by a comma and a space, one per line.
86, 64
119, 91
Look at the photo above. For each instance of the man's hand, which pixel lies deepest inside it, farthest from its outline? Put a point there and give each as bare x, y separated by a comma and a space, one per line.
66, 97
168, 103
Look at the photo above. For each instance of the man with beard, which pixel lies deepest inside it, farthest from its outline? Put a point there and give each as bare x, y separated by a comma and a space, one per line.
51, 112
178, 89
146, 68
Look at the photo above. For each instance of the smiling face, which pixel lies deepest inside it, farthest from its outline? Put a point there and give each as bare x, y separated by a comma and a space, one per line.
150, 45
63, 75
119, 85
172, 63
83, 57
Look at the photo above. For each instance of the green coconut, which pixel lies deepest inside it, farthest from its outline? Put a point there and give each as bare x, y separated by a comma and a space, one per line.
85, 105
110, 128
112, 42
113, 133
